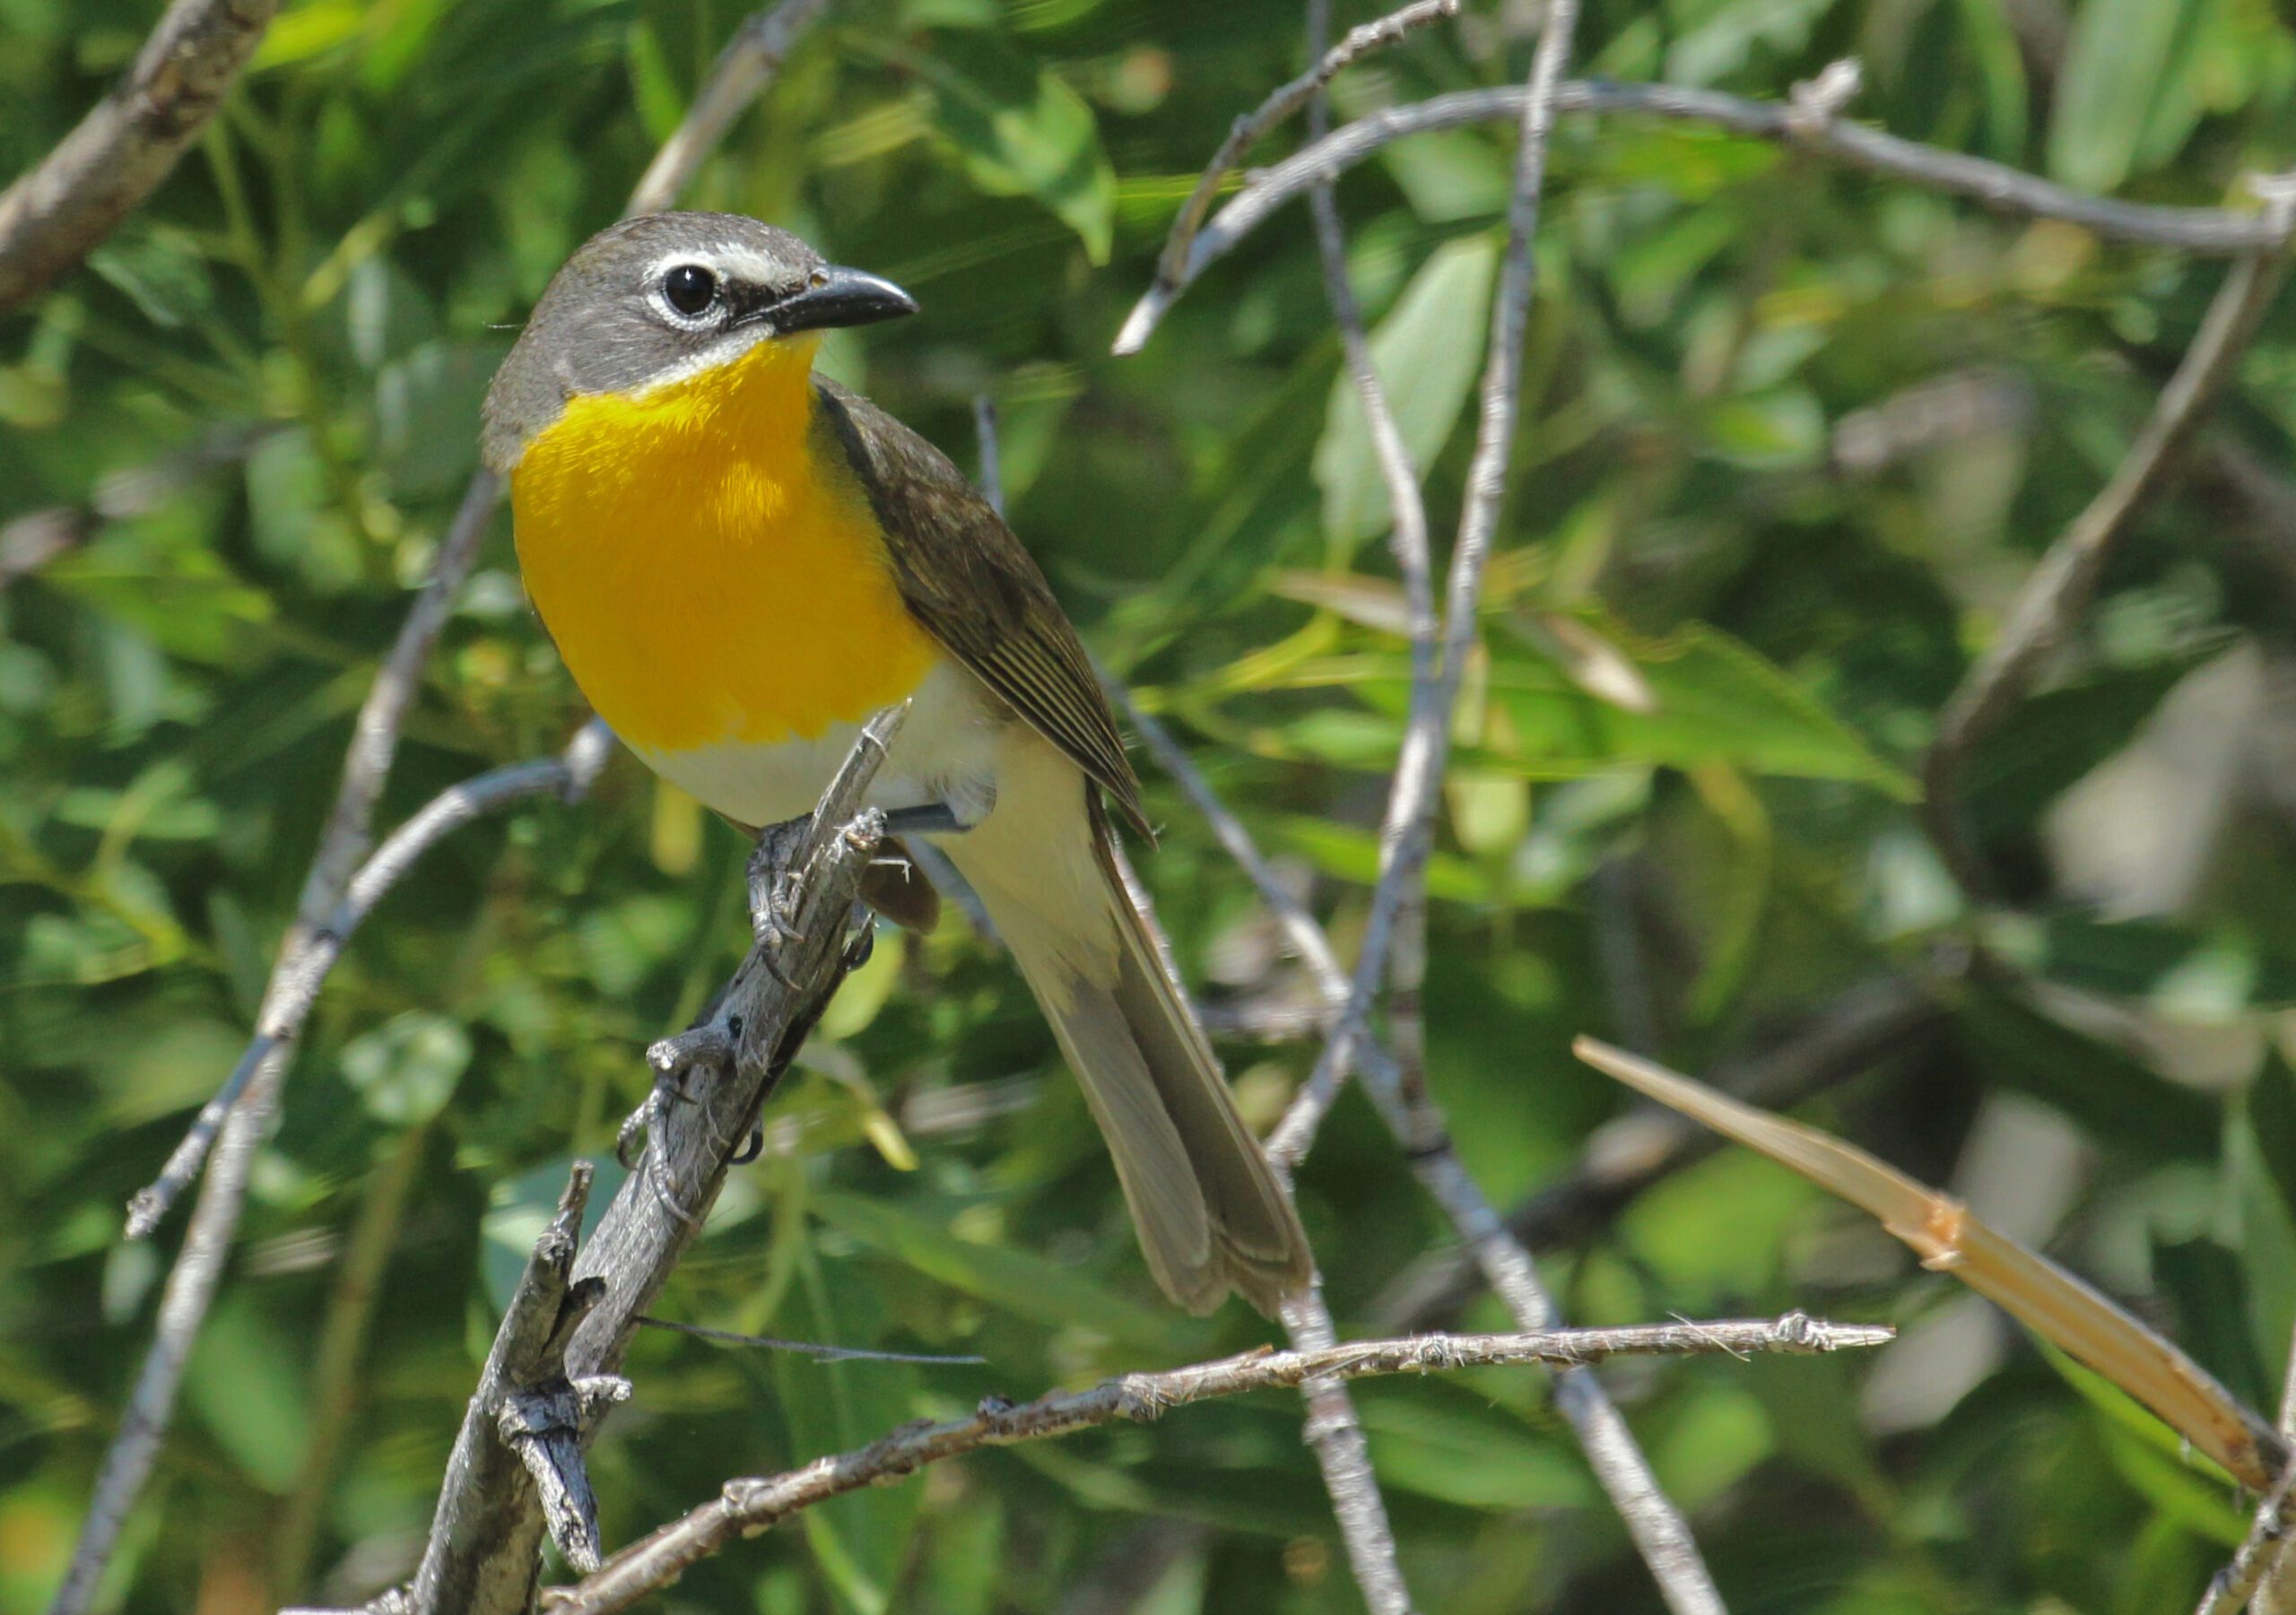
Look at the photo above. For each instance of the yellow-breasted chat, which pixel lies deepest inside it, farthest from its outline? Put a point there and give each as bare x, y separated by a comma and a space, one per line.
741, 560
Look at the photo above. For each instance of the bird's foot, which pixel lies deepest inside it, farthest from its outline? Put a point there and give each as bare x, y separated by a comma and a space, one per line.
774, 889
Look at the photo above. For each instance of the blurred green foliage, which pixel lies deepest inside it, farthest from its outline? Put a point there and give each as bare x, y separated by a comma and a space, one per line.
1737, 503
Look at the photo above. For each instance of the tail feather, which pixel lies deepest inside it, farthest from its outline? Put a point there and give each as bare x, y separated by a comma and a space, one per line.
1210, 1214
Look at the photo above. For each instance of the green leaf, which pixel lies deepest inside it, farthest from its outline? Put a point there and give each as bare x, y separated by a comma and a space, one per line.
2053, 739
2114, 1097
1445, 1441
2119, 64
1022, 132
2209, 977
859, 1541
245, 1383
1716, 701
2154, 1459
1715, 38
406, 1070
2204, 1281
1026, 1285
1428, 351
2001, 70
1780, 429
2272, 1113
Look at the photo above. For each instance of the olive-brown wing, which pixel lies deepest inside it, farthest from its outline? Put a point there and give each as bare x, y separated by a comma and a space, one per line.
976, 590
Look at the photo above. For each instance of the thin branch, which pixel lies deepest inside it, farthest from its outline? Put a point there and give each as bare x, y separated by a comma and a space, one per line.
1335, 1436
2217, 231
1334, 1431
215, 1221
2259, 1556
2057, 591
1253, 127
1657, 1527
54, 216
295, 992
992, 457
749, 63
1407, 539
199, 1265
747, 1507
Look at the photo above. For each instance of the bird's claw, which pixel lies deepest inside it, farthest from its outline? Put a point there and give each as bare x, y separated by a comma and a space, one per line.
773, 882
710, 1045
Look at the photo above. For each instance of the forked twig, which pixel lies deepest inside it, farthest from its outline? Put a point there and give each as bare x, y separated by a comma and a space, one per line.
1253, 127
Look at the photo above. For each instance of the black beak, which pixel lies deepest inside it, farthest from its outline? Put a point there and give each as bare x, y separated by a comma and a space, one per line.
839, 297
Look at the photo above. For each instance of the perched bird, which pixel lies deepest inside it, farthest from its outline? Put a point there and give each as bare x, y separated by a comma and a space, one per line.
741, 561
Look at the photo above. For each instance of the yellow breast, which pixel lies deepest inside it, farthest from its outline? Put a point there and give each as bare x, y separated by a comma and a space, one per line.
706, 581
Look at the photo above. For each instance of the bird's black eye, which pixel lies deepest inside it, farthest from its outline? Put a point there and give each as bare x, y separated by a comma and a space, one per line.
691, 289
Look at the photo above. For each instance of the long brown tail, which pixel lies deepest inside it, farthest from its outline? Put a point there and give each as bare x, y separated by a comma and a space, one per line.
1210, 1214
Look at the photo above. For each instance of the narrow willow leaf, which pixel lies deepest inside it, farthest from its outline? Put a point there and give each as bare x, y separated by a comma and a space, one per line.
1950, 1238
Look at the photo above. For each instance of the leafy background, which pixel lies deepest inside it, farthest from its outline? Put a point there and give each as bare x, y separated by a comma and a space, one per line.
1792, 436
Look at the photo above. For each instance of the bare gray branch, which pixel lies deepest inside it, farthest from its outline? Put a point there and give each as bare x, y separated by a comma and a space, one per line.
747, 1507
1250, 128
2214, 231
517, 1468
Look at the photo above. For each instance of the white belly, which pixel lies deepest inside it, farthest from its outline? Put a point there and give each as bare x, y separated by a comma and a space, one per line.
947, 752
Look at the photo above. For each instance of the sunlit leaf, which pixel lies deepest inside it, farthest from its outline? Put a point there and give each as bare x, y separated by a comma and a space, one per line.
2118, 62
1021, 132
1428, 351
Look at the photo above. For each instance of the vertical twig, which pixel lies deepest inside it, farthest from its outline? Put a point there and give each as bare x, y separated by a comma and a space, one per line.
2056, 592
1658, 1528
1333, 1432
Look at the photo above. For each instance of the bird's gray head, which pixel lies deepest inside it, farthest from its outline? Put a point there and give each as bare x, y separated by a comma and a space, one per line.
662, 297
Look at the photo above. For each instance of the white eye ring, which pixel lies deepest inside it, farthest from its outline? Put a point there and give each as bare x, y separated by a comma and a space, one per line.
690, 291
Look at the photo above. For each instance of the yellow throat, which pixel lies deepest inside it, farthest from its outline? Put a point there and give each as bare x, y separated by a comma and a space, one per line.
707, 579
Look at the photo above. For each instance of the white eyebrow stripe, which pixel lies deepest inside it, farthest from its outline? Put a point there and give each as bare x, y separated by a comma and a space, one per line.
727, 260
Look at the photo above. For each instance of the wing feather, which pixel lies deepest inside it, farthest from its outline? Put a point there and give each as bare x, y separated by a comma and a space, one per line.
976, 590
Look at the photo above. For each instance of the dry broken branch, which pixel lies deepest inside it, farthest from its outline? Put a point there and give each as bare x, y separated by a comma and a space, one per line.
485, 1541
54, 216
517, 1470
